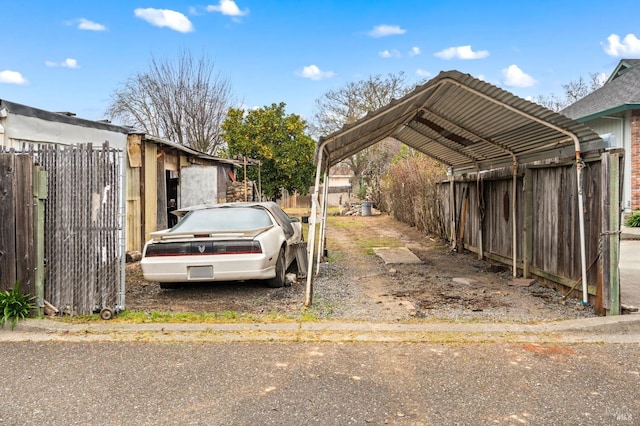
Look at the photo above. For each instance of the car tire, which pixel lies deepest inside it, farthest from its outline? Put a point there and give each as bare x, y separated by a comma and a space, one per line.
278, 280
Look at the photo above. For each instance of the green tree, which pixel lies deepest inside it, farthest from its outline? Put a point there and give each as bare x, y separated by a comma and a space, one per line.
278, 141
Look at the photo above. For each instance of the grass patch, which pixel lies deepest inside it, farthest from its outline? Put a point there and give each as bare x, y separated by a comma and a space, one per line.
369, 243
347, 223
145, 317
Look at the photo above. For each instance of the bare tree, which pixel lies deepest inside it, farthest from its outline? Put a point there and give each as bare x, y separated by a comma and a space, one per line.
347, 104
183, 101
354, 100
573, 91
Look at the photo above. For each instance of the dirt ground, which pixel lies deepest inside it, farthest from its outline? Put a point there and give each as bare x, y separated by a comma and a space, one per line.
355, 284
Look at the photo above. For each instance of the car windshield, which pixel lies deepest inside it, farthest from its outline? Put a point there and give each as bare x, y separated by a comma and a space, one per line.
224, 219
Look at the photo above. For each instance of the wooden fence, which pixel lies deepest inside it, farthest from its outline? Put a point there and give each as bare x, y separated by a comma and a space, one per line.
479, 218
82, 226
17, 252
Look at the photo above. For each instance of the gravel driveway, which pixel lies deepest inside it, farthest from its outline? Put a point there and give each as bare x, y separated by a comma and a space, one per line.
356, 285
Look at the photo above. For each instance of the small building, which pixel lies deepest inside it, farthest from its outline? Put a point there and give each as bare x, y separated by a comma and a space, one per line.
21, 124
615, 109
163, 175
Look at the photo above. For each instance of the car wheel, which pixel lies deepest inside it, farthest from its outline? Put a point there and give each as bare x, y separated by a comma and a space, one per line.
278, 280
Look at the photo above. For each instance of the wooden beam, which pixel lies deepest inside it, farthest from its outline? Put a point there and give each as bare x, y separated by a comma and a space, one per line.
527, 243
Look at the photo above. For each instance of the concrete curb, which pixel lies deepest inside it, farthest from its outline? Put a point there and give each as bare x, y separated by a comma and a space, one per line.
618, 329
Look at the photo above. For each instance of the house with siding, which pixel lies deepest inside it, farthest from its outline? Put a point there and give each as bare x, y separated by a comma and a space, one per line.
615, 109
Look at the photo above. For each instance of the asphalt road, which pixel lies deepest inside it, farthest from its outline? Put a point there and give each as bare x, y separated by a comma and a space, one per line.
630, 272
327, 383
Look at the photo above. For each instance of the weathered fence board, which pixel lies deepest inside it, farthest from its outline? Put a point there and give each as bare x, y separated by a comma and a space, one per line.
16, 224
547, 202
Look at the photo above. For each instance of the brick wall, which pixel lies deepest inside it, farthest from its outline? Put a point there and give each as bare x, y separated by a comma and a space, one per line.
635, 159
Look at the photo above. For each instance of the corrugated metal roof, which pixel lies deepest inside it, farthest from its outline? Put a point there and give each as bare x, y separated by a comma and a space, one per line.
463, 122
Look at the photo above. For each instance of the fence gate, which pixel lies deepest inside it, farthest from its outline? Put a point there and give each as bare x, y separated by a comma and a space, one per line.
84, 234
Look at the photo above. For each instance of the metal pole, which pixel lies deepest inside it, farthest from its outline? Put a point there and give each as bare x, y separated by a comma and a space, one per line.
122, 160
583, 251
245, 178
312, 233
514, 217
259, 181
323, 221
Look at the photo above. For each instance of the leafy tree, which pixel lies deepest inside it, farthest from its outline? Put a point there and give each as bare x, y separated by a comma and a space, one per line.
351, 102
182, 101
573, 91
278, 141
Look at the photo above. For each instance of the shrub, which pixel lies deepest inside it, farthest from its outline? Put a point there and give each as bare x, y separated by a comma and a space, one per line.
14, 306
633, 220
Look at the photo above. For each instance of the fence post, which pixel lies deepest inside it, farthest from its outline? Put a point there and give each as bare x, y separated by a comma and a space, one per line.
7, 224
39, 195
527, 244
610, 236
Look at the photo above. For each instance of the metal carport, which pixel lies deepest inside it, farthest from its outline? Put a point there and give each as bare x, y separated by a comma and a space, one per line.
467, 124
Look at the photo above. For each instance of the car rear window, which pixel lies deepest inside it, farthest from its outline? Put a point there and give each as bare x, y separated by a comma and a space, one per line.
224, 219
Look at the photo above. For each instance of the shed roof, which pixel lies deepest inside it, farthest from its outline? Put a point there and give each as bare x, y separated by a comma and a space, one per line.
619, 93
465, 123
58, 117
186, 149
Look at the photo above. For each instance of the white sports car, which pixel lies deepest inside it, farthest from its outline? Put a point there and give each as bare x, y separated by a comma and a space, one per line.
224, 242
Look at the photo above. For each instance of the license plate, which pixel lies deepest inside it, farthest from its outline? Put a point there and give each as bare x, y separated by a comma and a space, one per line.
200, 272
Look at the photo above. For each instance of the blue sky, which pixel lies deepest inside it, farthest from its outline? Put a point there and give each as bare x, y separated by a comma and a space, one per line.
71, 55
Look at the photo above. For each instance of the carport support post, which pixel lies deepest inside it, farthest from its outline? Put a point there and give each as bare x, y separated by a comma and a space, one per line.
312, 230
323, 220
583, 250
514, 218
452, 209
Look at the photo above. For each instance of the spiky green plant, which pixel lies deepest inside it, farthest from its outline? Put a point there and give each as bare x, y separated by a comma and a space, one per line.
633, 220
14, 306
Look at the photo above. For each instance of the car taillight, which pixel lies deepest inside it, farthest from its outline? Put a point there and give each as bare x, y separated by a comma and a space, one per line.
199, 248
236, 247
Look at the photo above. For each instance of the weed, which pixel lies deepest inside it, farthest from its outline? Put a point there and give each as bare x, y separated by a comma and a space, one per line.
15, 306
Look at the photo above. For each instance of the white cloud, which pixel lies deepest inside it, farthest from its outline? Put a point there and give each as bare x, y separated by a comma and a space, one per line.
461, 52
515, 77
165, 18
389, 54
228, 8
386, 30
85, 24
314, 73
628, 47
601, 78
67, 63
423, 73
415, 51
12, 77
